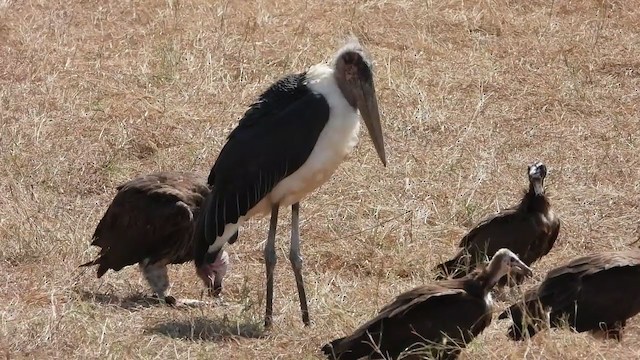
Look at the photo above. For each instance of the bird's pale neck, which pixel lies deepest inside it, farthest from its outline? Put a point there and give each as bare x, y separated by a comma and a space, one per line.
487, 277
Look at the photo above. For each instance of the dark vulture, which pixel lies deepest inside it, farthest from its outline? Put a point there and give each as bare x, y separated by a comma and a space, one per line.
150, 222
529, 229
435, 320
596, 293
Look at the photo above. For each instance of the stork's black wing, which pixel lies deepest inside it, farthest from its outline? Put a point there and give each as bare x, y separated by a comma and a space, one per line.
273, 139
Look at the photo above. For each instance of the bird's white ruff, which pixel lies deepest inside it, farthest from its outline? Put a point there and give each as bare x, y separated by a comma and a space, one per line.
337, 139
489, 299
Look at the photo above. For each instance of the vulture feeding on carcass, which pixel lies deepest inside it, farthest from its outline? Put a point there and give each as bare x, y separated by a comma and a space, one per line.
435, 320
150, 222
529, 229
596, 293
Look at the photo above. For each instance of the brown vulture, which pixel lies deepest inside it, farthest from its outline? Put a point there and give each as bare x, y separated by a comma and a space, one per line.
435, 320
150, 222
529, 229
596, 293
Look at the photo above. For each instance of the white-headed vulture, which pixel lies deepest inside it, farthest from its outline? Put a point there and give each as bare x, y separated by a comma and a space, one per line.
434, 321
529, 229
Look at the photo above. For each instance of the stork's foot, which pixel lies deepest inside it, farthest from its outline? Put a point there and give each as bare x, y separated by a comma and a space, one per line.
168, 300
182, 303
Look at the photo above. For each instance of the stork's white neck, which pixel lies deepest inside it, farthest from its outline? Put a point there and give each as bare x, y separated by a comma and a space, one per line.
336, 140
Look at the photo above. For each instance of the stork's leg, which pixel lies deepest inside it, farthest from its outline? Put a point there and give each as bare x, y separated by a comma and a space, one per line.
296, 260
158, 278
270, 260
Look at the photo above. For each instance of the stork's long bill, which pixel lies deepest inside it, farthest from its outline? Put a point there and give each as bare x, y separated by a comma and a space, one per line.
367, 103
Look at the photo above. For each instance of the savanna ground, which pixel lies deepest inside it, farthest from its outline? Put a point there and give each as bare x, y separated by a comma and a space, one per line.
93, 93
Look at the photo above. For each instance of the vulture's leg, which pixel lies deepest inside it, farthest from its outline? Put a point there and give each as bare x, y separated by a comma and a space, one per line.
270, 260
296, 260
158, 278
609, 331
614, 331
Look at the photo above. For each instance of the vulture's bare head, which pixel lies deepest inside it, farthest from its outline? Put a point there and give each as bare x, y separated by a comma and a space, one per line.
504, 262
537, 172
353, 71
213, 273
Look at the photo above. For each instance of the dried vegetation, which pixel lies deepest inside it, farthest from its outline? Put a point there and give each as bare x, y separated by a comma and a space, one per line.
93, 93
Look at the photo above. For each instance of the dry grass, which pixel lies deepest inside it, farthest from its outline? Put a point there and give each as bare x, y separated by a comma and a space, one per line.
93, 93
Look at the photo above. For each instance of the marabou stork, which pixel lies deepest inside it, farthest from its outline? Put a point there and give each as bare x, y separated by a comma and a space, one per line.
287, 144
150, 222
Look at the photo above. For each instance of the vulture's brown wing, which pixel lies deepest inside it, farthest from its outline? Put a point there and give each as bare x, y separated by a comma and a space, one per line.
563, 283
419, 316
405, 301
555, 230
594, 290
150, 218
593, 263
506, 229
540, 238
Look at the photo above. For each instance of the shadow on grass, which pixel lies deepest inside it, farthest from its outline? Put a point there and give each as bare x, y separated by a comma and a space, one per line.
131, 302
202, 328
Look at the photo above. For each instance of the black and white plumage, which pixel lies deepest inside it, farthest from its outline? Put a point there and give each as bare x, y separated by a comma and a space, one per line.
150, 222
596, 293
433, 321
529, 229
286, 145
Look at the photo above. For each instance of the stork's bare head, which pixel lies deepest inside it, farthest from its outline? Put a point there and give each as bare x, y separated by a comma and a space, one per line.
354, 75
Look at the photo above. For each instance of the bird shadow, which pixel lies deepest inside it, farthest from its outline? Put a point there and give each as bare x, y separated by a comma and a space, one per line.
132, 302
202, 328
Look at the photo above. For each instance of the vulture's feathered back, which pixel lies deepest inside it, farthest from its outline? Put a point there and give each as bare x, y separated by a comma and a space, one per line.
150, 222
529, 229
437, 319
598, 292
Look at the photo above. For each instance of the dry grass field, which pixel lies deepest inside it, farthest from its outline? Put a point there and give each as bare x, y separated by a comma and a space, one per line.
93, 93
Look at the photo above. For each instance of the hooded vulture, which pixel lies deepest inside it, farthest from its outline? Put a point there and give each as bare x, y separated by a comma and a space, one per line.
529, 229
150, 222
432, 320
596, 293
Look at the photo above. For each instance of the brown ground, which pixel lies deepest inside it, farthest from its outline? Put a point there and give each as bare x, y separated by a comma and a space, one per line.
93, 93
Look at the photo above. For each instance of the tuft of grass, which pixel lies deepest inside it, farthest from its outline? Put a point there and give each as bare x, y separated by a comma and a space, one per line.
95, 93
